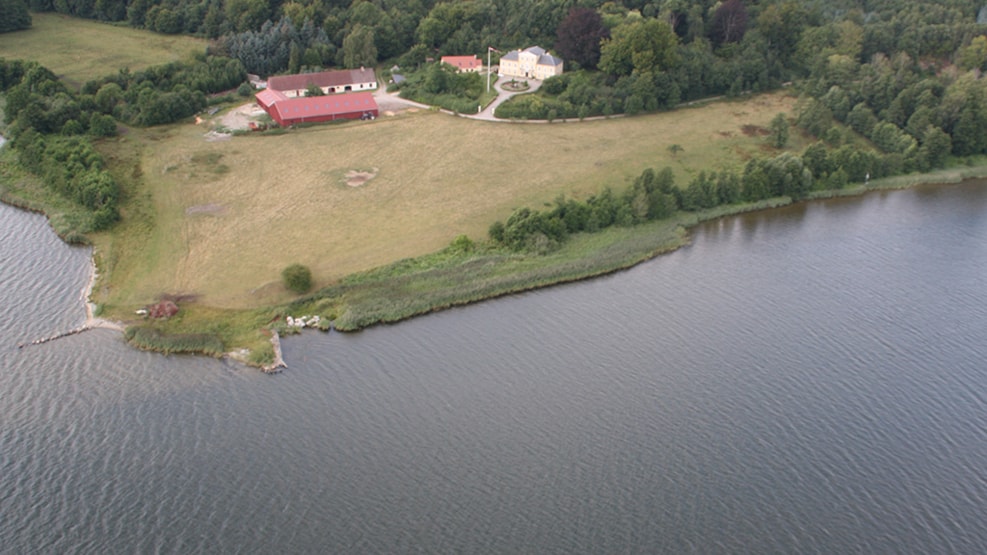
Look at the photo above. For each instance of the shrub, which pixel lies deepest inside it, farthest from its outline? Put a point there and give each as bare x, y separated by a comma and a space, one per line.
297, 278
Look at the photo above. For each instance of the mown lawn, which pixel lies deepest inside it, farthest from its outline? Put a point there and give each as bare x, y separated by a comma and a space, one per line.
221, 219
78, 50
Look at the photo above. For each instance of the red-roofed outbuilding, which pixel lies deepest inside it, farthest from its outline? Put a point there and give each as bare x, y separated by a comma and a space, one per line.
313, 109
464, 63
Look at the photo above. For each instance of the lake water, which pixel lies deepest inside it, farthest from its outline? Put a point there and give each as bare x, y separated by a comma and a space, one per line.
805, 380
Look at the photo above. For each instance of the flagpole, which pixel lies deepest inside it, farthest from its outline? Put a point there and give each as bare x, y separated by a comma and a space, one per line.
488, 67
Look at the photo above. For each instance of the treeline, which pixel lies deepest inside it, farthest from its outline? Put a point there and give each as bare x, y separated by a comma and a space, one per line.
279, 46
655, 195
164, 93
52, 127
37, 100
655, 58
50, 130
700, 48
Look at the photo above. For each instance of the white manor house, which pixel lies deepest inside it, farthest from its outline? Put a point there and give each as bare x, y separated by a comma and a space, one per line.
531, 63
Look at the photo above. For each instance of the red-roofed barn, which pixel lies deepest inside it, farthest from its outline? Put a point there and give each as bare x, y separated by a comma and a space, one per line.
313, 109
335, 81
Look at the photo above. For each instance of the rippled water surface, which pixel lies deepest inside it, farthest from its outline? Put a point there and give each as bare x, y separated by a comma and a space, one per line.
812, 379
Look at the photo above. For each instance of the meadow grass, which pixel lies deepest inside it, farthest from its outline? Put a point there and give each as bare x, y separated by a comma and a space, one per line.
222, 219
79, 50
424, 284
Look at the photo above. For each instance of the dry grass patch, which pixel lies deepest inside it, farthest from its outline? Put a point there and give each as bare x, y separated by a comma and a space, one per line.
434, 177
78, 50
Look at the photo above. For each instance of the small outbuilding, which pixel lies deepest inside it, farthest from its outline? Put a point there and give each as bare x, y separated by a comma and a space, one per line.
464, 64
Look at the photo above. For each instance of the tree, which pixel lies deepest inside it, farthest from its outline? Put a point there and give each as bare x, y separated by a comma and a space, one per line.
643, 46
729, 23
779, 131
815, 117
579, 35
936, 146
861, 119
675, 149
108, 96
782, 24
358, 47
973, 56
14, 15
102, 125
297, 278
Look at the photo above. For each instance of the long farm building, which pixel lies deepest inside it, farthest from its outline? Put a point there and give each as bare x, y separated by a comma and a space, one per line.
287, 111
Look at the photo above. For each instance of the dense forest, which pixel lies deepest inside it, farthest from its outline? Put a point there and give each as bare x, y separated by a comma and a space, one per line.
887, 86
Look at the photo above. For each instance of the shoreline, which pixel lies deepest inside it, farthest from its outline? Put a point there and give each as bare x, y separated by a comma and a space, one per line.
684, 221
93, 322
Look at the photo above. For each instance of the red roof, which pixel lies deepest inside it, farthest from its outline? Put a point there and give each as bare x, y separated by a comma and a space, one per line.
311, 107
463, 62
338, 78
268, 97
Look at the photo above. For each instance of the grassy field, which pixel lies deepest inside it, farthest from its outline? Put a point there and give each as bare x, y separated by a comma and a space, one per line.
221, 219
79, 50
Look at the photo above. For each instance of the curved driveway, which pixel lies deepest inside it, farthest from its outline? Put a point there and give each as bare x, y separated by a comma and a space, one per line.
386, 100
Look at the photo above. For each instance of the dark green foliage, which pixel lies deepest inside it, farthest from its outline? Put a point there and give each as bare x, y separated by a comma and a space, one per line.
936, 146
815, 117
165, 93
266, 50
14, 15
533, 230
650, 198
889, 138
47, 126
439, 84
297, 278
778, 131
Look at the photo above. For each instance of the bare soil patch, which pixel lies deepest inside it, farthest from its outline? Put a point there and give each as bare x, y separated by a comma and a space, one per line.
356, 178
239, 118
207, 209
754, 130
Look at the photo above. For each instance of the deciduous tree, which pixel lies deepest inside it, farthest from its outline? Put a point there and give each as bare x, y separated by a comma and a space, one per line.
358, 47
729, 23
578, 37
639, 47
779, 131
